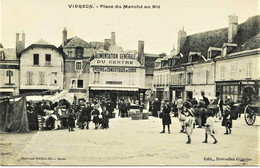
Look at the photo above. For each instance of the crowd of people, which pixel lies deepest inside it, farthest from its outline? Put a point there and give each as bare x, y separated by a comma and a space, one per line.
63, 114
204, 113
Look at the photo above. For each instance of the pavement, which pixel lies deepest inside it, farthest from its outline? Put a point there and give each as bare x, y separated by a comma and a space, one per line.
132, 142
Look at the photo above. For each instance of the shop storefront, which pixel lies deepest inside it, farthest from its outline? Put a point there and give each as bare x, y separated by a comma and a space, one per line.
236, 89
117, 76
176, 91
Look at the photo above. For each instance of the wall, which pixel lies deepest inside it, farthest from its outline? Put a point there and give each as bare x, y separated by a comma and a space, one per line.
26, 64
237, 68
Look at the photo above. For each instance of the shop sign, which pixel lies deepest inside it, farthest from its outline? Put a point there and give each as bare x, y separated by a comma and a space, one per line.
113, 69
9, 66
228, 83
114, 82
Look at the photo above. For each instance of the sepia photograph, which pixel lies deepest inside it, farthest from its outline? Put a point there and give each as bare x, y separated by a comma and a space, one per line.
129, 82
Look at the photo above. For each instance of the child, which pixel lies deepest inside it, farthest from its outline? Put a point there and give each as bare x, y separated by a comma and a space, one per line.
105, 118
209, 129
71, 120
227, 121
95, 114
182, 118
190, 121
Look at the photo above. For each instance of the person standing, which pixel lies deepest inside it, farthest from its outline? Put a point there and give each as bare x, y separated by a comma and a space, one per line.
166, 118
227, 118
71, 120
179, 106
156, 107
86, 116
205, 99
190, 121
220, 106
110, 108
96, 113
105, 118
122, 108
209, 129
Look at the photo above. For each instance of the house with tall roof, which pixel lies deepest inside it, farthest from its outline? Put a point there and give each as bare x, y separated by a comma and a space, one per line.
9, 72
41, 68
205, 57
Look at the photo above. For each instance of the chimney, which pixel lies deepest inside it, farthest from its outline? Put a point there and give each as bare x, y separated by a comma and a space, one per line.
20, 45
113, 38
107, 44
232, 27
64, 37
141, 57
181, 39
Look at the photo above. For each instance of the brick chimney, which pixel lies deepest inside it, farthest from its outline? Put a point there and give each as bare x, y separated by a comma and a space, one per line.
64, 36
20, 45
232, 27
113, 38
141, 57
181, 39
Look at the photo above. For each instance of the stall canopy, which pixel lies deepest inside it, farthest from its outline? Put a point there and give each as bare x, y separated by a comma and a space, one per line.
13, 116
62, 95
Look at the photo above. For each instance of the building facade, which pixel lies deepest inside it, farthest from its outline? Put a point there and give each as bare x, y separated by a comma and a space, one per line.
41, 68
239, 74
9, 72
117, 75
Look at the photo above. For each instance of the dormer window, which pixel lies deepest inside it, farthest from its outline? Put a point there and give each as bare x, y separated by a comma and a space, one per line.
2, 55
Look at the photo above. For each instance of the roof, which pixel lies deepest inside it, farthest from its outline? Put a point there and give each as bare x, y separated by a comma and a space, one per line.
247, 38
42, 42
9, 53
76, 42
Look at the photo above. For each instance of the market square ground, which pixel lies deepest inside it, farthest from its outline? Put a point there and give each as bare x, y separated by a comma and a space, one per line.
132, 142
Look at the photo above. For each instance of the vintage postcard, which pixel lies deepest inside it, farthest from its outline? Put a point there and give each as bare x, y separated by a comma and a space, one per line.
129, 82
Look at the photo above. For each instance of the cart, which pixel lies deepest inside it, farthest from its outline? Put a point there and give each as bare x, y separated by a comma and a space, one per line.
252, 110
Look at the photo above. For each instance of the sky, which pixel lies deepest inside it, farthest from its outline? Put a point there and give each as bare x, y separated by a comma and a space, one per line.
45, 19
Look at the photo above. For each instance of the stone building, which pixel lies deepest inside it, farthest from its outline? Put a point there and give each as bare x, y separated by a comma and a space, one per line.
205, 56
41, 68
9, 72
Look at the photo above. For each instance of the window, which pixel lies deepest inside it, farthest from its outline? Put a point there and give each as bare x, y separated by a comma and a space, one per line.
249, 70
41, 78
80, 84
29, 78
79, 51
47, 59
189, 78
2, 55
77, 84
222, 72
35, 59
207, 76
180, 79
97, 77
69, 53
233, 70
9, 77
54, 78
78, 65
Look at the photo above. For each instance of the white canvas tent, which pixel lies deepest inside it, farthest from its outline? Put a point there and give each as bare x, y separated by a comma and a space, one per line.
53, 98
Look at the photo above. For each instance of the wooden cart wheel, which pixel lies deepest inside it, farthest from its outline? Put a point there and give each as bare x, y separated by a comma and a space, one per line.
249, 115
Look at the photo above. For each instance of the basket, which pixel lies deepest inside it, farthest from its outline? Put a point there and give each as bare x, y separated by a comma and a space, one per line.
131, 112
145, 116
137, 116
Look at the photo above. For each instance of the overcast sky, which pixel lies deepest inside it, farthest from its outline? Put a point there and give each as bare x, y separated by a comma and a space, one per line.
157, 27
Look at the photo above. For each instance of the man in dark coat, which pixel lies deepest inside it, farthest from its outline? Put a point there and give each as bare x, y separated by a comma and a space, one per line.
166, 118
110, 108
122, 109
156, 107
205, 99
85, 116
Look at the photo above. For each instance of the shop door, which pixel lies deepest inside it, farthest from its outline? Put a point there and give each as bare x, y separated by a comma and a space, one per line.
113, 97
159, 95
